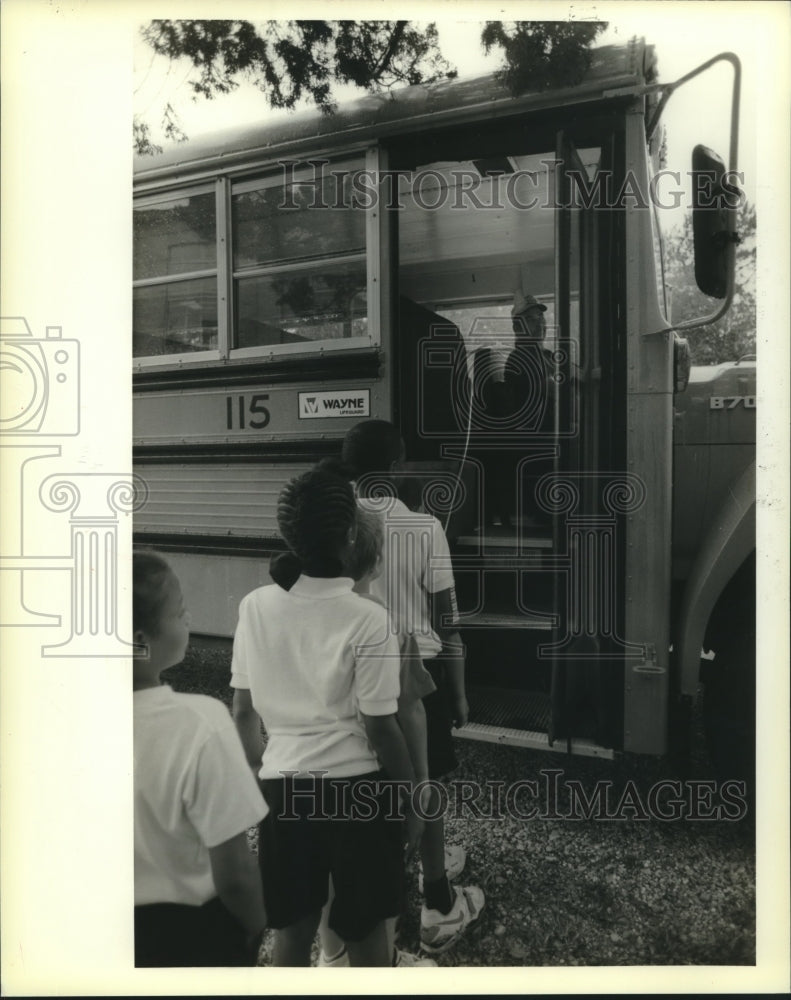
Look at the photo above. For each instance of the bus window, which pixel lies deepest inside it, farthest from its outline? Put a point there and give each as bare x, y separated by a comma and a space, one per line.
300, 265
299, 257
175, 267
324, 302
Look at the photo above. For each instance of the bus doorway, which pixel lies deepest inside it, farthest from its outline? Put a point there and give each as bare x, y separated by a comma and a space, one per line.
507, 396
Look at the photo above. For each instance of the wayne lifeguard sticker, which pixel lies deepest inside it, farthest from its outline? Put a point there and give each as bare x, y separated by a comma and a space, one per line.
339, 403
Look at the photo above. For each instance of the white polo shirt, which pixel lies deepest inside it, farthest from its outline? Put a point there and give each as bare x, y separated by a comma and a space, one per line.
314, 658
193, 790
415, 563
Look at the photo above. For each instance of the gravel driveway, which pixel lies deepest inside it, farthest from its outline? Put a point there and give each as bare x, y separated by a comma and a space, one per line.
564, 891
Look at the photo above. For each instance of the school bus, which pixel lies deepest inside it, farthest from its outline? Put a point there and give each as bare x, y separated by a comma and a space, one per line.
294, 278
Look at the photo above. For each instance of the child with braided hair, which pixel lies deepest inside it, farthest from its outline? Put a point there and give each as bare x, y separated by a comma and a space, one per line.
318, 665
415, 684
414, 680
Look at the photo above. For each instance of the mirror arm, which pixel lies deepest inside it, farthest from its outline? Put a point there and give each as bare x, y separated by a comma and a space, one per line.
693, 324
668, 89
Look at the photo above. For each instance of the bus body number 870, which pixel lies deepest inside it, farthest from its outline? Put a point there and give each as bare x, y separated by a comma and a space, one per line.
731, 402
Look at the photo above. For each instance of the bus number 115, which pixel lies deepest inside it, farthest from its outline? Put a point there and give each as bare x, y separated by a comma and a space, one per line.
242, 412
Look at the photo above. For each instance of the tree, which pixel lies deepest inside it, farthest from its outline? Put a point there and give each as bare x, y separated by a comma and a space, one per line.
294, 60
732, 336
542, 54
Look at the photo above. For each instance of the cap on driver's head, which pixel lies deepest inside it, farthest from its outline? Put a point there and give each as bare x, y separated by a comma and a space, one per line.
524, 302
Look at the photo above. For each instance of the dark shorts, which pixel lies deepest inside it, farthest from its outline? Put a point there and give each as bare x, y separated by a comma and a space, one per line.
311, 832
173, 934
439, 723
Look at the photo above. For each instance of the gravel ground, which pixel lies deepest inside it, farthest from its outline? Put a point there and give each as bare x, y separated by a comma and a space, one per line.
577, 892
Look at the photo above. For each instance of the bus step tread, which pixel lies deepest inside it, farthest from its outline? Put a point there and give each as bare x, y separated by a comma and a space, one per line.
531, 740
519, 718
508, 619
509, 707
512, 543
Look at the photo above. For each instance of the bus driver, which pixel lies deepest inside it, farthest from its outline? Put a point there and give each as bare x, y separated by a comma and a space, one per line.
528, 402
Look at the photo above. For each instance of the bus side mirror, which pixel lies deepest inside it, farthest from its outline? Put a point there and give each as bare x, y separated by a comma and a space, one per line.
714, 203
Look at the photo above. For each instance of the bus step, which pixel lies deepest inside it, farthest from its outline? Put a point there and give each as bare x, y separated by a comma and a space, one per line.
506, 538
514, 709
531, 740
519, 719
508, 619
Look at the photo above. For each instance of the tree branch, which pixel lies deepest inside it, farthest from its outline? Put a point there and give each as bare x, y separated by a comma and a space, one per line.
392, 46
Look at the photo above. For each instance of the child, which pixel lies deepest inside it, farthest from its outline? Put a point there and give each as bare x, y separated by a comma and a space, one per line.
197, 894
364, 565
415, 682
418, 590
319, 666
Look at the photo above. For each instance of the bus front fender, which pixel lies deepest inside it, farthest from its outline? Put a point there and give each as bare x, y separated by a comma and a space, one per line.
730, 539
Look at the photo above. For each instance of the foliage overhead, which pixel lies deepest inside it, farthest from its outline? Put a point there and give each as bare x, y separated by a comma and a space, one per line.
294, 60
733, 336
542, 54
289, 60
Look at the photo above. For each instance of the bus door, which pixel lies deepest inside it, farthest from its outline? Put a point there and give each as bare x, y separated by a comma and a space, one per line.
586, 487
482, 224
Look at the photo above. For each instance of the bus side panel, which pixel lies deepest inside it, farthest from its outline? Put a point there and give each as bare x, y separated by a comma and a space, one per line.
214, 586
648, 575
691, 472
223, 501
259, 413
215, 459
649, 457
714, 441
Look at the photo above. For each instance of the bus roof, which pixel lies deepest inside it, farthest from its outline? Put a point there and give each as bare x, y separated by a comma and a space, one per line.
411, 109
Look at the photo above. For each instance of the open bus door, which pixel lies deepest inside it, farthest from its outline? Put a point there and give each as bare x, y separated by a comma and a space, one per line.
533, 607
586, 653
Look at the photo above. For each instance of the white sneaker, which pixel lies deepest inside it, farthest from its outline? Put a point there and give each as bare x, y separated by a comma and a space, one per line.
440, 931
406, 960
455, 860
339, 961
